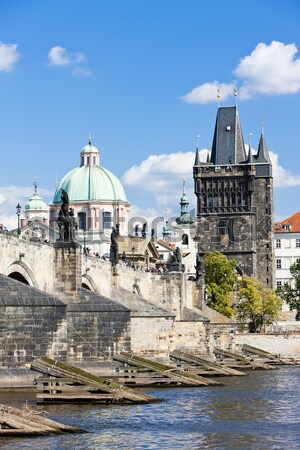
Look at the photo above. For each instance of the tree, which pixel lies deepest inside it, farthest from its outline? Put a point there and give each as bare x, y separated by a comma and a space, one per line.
292, 294
256, 303
220, 279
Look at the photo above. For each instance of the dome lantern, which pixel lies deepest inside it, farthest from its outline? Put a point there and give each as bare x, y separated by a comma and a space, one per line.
89, 155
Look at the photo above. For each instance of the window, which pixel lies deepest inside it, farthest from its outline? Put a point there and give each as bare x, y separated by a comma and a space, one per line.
278, 284
278, 263
185, 239
298, 243
215, 199
278, 243
94, 160
88, 160
106, 220
82, 221
297, 260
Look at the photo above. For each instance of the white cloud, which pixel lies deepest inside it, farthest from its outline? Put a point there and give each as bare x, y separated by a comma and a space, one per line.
59, 56
282, 177
207, 92
10, 196
269, 70
162, 175
9, 56
82, 72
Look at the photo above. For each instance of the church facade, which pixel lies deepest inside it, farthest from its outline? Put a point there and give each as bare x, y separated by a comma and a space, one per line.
235, 200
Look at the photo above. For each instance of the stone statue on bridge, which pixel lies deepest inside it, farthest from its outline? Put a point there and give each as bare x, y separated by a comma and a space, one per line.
66, 220
114, 248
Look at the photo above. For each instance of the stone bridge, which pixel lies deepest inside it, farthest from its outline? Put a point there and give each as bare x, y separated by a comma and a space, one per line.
81, 309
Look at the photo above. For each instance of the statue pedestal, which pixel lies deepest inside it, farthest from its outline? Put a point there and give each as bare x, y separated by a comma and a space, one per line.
67, 266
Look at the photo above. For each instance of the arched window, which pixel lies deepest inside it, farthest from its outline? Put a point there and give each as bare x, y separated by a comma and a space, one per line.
209, 200
238, 199
232, 199
94, 160
82, 221
88, 160
215, 200
185, 239
106, 220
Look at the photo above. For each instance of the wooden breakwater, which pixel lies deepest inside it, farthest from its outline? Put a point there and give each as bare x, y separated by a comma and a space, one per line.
162, 374
28, 422
68, 384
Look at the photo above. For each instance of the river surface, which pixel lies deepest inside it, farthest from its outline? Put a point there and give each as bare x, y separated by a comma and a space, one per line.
259, 411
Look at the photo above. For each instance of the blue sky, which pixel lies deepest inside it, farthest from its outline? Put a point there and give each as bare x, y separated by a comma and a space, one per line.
142, 76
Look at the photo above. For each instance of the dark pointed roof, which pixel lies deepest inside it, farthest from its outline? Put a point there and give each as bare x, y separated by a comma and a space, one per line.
228, 144
263, 152
250, 159
197, 158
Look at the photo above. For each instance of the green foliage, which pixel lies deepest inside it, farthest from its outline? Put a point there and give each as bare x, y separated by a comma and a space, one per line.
292, 294
220, 279
255, 303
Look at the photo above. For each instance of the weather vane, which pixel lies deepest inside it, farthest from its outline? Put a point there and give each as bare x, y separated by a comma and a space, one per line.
262, 123
35, 184
235, 93
219, 96
250, 136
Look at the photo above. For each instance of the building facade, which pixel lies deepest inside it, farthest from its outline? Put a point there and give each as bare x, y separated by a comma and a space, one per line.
287, 247
235, 200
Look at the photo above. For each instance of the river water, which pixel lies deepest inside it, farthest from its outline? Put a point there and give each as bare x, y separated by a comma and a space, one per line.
259, 411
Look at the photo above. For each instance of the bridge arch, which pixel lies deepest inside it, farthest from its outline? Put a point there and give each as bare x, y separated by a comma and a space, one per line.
18, 270
88, 283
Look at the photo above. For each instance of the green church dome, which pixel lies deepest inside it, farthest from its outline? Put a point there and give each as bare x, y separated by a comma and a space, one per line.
36, 202
90, 182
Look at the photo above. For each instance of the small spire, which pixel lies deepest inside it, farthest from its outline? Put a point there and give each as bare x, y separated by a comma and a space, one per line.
183, 186
197, 158
90, 138
219, 97
250, 156
208, 157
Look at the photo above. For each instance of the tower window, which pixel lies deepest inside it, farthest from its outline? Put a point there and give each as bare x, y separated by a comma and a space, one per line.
94, 160
185, 239
82, 221
106, 220
88, 160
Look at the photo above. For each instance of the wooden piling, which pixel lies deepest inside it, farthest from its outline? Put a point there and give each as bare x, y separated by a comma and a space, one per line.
182, 377
74, 384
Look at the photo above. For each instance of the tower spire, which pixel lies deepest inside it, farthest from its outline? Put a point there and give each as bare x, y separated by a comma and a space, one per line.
250, 156
263, 152
197, 156
90, 138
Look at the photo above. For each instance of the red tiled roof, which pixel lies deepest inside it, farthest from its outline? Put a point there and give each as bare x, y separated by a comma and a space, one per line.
293, 222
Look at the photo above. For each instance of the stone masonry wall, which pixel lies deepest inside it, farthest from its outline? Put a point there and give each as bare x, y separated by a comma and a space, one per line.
96, 335
27, 332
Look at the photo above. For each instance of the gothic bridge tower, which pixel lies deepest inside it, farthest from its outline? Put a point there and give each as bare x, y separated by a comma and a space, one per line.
235, 200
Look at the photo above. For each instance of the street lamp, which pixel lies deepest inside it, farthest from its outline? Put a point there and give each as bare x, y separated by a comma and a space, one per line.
133, 251
147, 259
84, 246
18, 212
